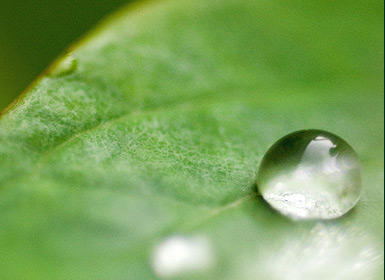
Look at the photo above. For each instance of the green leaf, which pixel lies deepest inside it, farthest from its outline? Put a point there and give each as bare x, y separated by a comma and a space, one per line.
155, 125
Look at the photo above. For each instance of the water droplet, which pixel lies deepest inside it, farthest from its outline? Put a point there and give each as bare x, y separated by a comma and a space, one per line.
179, 255
310, 174
67, 65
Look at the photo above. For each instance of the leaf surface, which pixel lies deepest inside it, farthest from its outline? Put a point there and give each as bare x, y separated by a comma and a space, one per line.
157, 130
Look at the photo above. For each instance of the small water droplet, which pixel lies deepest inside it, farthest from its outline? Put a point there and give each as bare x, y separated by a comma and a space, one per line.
179, 255
67, 65
310, 174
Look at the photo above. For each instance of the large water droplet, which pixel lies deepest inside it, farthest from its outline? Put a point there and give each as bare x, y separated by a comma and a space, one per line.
180, 255
67, 65
310, 174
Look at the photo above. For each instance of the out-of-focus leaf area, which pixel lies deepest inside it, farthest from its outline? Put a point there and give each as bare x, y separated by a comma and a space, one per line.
35, 32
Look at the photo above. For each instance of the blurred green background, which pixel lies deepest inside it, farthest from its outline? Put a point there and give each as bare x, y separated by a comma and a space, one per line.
34, 32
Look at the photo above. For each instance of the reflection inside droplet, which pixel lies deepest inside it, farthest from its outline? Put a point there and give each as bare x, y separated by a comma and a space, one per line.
178, 255
310, 174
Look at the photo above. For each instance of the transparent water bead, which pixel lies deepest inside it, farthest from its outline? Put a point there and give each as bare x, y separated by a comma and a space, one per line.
179, 256
310, 174
65, 66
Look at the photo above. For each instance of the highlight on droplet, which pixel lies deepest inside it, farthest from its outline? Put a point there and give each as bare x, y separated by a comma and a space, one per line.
180, 255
